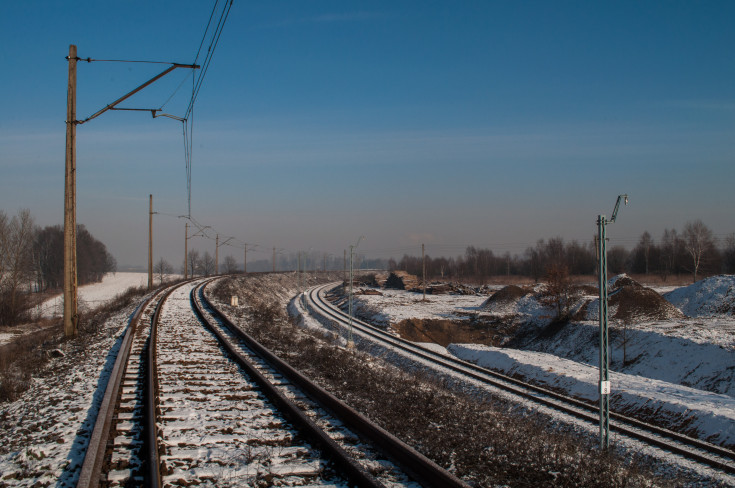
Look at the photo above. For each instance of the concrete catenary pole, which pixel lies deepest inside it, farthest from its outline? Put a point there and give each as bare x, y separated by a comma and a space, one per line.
186, 251
216, 255
274, 259
245, 261
150, 242
71, 317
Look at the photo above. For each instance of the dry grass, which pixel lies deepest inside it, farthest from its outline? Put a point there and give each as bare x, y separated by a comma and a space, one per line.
487, 441
29, 353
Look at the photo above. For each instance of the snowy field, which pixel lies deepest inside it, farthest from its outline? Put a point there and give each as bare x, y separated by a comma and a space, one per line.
397, 305
90, 296
96, 294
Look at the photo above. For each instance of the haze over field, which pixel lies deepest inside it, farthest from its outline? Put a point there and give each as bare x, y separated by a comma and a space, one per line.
491, 124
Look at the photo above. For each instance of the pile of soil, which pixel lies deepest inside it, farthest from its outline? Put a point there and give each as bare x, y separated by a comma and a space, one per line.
401, 280
368, 291
633, 302
504, 297
438, 289
445, 332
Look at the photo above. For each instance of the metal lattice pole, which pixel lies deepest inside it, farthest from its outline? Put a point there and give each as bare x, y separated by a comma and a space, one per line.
350, 342
604, 385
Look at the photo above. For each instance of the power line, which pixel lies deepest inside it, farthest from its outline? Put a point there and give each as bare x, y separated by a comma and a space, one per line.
188, 118
204, 37
210, 52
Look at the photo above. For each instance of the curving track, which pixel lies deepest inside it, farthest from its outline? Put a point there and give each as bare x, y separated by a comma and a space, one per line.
194, 400
692, 449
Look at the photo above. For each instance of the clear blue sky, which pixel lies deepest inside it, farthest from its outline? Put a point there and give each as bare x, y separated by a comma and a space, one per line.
449, 123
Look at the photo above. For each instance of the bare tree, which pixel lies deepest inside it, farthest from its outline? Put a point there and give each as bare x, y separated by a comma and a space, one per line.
193, 261
560, 291
669, 251
162, 268
728, 254
207, 264
645, 244
18, 264
230, 265
698, 241
3, 242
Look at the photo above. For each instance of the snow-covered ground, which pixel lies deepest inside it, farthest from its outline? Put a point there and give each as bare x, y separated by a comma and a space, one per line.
90, 297
45, 433
682, 369
702, 414
397, 305
96, 294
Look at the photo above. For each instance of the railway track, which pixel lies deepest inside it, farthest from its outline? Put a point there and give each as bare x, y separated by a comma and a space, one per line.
192, 399
691, 449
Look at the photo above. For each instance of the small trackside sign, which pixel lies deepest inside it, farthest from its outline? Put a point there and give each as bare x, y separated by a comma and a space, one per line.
604, 387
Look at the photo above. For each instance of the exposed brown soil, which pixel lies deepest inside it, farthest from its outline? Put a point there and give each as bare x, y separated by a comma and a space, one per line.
504, 296
445, 332
635, 302
400, 280
368, 291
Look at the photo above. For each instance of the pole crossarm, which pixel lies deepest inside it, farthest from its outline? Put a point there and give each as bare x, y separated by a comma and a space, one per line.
111, 106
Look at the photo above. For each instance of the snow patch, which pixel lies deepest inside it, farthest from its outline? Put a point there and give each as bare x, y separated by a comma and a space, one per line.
714, 296
709, 416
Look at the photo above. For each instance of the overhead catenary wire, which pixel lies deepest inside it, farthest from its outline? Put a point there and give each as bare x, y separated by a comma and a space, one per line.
188, 118
214, 41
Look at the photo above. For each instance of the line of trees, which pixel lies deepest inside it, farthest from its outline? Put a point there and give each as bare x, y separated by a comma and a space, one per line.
32, 259
694, 251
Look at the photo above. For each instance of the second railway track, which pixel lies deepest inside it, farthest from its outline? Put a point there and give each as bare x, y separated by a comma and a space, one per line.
693, 450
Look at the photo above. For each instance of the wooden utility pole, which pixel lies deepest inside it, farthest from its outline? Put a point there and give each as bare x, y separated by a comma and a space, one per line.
186, 251
423, 260
274, 259
150, 243
71, 318
216, 255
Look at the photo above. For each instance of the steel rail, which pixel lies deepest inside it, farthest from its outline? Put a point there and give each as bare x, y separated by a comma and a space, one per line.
354, 471
152, 457
417, 466
553, 399
94, 457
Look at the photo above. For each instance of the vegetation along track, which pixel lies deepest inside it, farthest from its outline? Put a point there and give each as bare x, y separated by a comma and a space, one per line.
692, 449
192, 399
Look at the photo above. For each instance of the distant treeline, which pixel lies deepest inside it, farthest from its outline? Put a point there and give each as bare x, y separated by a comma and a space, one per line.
694, 251
32, 259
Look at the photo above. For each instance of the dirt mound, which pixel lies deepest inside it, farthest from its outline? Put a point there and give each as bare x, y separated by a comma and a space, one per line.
504, 296
445, 332
368, 291
621, 281
400, 280
630, 301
